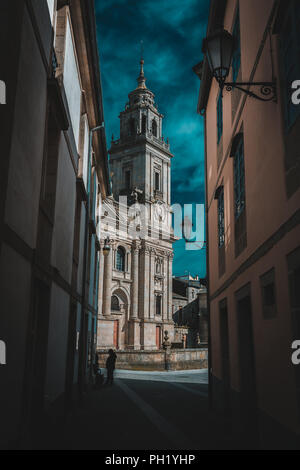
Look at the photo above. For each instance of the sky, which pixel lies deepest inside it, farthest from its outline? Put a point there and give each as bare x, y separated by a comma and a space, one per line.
172, 32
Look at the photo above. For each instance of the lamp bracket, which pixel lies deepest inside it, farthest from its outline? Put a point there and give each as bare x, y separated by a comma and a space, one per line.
268, 90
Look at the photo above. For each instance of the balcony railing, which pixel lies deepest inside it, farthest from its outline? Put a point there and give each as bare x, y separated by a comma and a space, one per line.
139, 137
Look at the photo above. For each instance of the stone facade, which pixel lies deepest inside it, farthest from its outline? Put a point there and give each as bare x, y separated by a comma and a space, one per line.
177, 359
190, 312
136, 278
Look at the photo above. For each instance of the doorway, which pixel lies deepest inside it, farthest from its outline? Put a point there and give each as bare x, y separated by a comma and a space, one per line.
224, 344
116, 334
247, 372
38, 352
158, 337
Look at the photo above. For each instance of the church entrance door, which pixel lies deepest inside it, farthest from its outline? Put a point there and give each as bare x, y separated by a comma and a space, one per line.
158, 337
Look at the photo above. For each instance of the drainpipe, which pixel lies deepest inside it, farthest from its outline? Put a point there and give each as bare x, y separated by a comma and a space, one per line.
83, 334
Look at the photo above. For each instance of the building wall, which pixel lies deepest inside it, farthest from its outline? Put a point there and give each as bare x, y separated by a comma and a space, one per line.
57, 343
190, 313
48, 278
270, 237
62, 249
14, 271
24, 179
178, 359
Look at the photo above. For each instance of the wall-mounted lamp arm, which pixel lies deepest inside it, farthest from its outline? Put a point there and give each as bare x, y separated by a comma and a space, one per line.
268, 90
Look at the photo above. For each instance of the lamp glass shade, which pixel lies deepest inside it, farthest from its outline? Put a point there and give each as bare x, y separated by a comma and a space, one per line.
106, 248
219, 50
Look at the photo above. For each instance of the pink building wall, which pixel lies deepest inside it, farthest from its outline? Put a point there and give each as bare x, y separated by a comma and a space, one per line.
267, 209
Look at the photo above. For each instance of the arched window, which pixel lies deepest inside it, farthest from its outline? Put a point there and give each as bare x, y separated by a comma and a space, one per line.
132, 126
144, 122
115, 304
154, 128
120, 260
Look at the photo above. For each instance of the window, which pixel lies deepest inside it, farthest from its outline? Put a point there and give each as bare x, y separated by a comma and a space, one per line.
127, 178
267, 283
49, 181
219, 195
293, 262
144, 124
290, 50
239, 178
221, 229
120, 259
72, 84
158, 305
236, 58
115, 304
240, 227
156, 181
154, 128
219, 117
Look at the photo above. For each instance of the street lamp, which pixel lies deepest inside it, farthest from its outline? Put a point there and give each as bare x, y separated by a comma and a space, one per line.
219, 48
106, 247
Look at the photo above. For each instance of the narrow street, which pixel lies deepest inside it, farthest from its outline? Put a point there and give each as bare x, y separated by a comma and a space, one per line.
146, 410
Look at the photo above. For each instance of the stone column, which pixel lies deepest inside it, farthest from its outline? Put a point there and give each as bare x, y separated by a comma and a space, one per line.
134, 321
152, 274
165, 306
170, 285
101, 277
107, 281
135, 280
145, 281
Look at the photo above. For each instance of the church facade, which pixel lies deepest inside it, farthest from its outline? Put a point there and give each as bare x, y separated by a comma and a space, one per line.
135, 279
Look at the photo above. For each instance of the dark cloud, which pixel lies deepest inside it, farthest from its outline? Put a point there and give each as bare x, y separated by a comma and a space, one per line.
172, 32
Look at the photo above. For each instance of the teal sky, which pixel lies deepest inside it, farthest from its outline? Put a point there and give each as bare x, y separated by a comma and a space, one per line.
172, 32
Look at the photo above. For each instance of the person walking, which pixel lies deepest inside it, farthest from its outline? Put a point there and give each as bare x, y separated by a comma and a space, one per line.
110, 366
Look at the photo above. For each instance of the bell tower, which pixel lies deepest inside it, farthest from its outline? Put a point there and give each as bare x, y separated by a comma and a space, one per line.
141, 158
138, 271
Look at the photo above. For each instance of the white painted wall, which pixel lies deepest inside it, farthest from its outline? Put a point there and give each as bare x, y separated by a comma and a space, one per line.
81, 248
85, 155
51, 4
62, 242
72, 83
